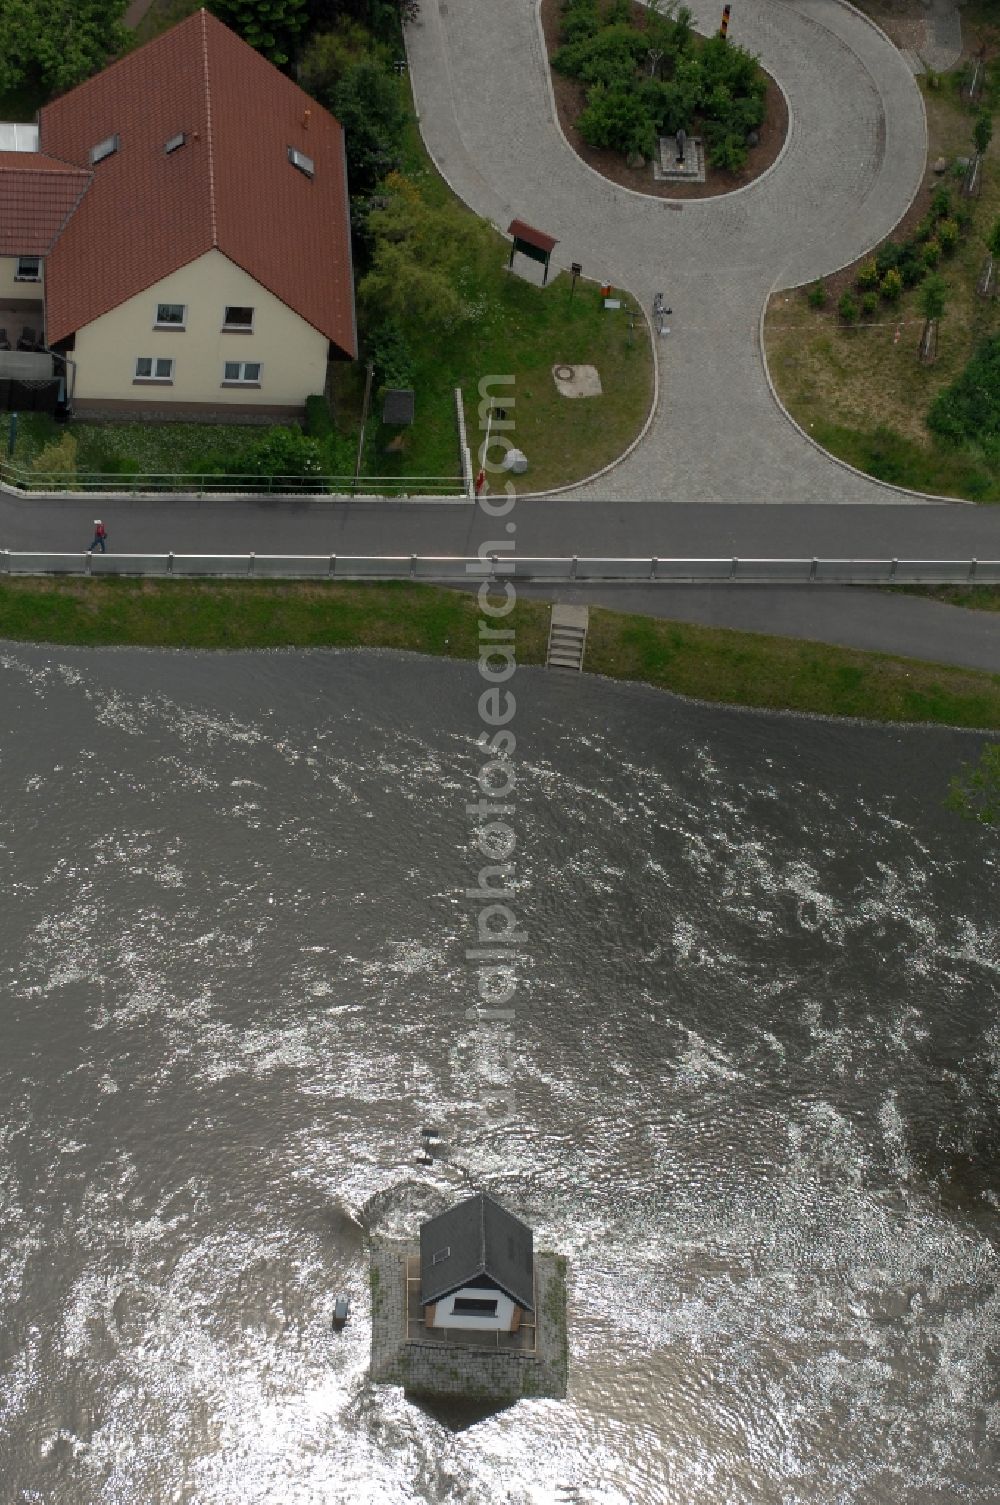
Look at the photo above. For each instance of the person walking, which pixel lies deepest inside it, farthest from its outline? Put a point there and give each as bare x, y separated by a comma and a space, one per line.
100, 537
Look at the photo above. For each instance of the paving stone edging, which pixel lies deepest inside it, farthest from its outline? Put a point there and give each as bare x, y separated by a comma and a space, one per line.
466, 1373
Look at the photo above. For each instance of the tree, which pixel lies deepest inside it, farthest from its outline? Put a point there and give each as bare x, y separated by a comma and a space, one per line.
982, 131
423, 257
993, 240
369, 104
273, 27
933, 297
50, 45
975, 791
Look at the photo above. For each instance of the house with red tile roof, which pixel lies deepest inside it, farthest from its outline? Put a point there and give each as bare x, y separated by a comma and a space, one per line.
184, 216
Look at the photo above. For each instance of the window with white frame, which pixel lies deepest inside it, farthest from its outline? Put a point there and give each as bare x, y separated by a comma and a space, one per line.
238, 318
171, 315
153, 368
241, 374
29, 269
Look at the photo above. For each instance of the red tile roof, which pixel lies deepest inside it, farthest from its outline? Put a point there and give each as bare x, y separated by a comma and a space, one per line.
37, 196
230, 186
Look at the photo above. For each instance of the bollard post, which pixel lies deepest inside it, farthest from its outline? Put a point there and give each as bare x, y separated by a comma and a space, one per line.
493, 568
732, 569
812, 570
892, 570
572, 568
333, 564
972, 572
413, 566
170, 562
652, 568
88, 560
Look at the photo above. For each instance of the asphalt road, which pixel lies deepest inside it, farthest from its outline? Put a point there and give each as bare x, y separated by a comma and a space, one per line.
553, 526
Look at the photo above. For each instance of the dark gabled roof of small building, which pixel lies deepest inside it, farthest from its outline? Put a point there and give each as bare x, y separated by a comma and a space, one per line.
475, 1238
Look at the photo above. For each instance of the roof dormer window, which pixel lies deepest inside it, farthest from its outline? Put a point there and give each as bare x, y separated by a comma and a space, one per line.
105, 148
302, 162
175, 142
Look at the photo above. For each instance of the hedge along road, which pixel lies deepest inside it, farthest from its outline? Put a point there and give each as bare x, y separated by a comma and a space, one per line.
854, 159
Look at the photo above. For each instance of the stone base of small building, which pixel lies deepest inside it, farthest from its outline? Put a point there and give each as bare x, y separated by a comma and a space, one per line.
434, 1368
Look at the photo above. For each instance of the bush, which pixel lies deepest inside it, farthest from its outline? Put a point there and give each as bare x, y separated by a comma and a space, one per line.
579, 21
617, 118
932, 253
319, 419
911, 266
940, 203
817, 295
847, 308
869, 304
891, 286
609, 57
868, 276
727, 152
390, 355
947, 234
280, 452
969, 409
58, 459
887, 257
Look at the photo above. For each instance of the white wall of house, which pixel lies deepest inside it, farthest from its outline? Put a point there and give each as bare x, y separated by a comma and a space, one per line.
291, 354
11, 287
444, 1314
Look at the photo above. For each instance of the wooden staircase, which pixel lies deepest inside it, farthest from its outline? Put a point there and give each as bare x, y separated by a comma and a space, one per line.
567, 638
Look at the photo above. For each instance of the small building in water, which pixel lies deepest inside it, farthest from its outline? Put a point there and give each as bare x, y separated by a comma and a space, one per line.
474, 1312
477, 1268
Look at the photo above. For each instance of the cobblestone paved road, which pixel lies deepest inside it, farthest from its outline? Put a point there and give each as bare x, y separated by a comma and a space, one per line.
855, 156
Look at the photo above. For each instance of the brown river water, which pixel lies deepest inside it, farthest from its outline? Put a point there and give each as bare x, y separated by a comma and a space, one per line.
754, 1070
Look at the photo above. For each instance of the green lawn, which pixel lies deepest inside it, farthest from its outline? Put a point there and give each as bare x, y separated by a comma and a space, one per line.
522, 331
734, 668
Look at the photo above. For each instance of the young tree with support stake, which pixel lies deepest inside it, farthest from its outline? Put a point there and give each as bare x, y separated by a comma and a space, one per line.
933, 299
982, 132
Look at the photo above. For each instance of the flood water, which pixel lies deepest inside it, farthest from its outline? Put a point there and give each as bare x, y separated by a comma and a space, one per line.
754, 1069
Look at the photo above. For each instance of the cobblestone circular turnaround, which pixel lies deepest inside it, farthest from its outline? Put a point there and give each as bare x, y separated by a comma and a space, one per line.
854, 159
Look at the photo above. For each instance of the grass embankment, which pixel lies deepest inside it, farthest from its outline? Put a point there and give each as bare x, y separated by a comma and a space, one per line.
733, 668
860, 391
969, 597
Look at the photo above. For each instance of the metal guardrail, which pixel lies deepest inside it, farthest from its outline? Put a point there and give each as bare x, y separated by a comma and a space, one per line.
455, 569
200, 484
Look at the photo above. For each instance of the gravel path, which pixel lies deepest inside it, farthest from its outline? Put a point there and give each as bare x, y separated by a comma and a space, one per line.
855, 157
